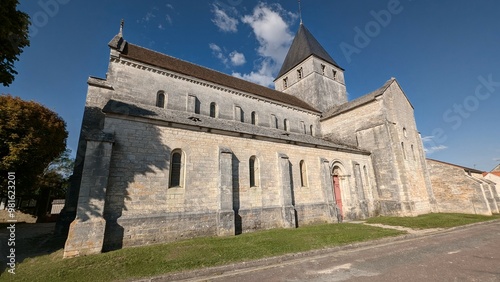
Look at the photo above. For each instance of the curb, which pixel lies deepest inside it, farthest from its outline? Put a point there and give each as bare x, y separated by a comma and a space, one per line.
289, 258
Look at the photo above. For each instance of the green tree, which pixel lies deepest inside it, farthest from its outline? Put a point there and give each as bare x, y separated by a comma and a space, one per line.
31, 136
14, 32
56, 175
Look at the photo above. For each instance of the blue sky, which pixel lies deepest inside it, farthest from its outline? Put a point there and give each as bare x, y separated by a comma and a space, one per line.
445, 54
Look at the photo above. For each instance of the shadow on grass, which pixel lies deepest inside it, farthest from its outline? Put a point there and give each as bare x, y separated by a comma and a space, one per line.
31, 240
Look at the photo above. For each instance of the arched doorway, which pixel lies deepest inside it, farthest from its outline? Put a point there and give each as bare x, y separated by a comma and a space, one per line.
336, 174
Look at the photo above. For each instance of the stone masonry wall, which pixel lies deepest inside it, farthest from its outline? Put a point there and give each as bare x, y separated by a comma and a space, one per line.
385, 125
455, 191
139, 177
322, 91
410, 155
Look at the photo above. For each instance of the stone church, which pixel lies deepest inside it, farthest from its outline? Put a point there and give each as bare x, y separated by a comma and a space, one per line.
171, 150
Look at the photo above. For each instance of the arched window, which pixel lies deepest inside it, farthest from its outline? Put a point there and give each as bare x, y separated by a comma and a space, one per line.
176, 169
404, 132
274, 121
239, 114
303, 126
413, 152
253, 164
254, 118
286, 125
403, 148
303, 174
311, 130
160, 99
214, 111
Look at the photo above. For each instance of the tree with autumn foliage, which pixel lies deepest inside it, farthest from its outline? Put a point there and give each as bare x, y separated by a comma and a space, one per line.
31, 137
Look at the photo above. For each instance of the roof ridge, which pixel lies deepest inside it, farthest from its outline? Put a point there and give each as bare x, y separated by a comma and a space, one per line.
456, 165
188, 62
361, 100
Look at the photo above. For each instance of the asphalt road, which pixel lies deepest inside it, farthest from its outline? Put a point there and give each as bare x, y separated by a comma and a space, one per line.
463, 254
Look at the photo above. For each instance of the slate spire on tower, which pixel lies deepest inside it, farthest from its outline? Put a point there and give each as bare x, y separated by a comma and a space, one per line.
304, 45
310, 73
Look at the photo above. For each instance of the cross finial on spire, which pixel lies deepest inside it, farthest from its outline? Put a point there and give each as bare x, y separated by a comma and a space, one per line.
122, 23
300, 13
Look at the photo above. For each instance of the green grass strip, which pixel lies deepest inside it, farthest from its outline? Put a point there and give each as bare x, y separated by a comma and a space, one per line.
192, 254
432, 220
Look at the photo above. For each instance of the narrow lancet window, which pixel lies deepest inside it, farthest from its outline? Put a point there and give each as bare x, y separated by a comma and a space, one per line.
253, 117
213, 110
176, 169
254, 171
303, 174
160, 99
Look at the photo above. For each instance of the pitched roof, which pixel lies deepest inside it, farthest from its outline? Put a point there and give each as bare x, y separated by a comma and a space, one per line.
304, 45
497, 168
468, 169
163, 61
358, 102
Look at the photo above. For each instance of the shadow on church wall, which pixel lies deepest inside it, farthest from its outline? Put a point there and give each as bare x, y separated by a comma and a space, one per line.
138, 155
238, 223
292, 193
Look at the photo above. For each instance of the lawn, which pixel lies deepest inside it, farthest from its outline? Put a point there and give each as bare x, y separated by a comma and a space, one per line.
190, 254
432, 220
214, 251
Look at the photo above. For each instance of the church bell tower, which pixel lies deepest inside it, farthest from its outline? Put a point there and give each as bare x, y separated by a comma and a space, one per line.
310, 73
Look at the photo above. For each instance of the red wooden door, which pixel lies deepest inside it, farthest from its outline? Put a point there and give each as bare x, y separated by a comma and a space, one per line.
336, 190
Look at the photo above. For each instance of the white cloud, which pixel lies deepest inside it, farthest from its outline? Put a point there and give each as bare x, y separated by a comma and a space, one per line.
148, 16
271, 31
169, 19
234, 58
427, 138
261, 76
237, 59
222, 20
153, 17
433, 149
431, 146
217, 52
214, 47
270, 25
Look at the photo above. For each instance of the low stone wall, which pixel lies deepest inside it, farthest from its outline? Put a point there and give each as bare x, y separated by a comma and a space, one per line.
248, 220
314, 214
20, 217
152, 229
455, 191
